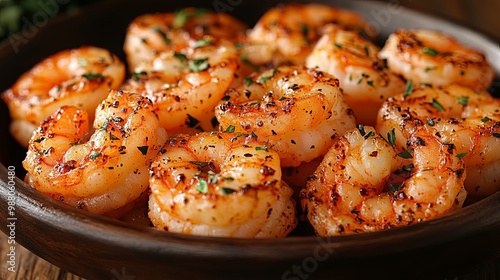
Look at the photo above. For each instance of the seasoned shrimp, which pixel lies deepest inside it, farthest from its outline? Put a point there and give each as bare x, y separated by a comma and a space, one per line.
292, 30
354, 189
79, 77
431, 57
101, 172
468, 119
150, 34
364, 78
186, 86
220, 184
297, 110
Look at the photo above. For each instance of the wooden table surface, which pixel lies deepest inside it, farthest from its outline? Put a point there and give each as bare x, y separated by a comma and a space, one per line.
481, 15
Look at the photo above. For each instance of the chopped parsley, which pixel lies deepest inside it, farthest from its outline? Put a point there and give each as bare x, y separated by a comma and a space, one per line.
230, 128
226, 191
202, 43
430, 51
391, 137
180, 56
264, 79
461, 155
261, 148
248, 81
93, 76
437, 105
162, 34
406, 154
202, 185
94, 155
361, 129
138, 75
197, 65
463, 100
408, 88
143, 149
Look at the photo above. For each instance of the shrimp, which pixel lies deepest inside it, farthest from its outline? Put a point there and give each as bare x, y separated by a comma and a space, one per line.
150, 34
431, 57
291, 31
298, 111
364, 78
468, 119
101, 172
79, 77
220, 184
186, 86
363, 184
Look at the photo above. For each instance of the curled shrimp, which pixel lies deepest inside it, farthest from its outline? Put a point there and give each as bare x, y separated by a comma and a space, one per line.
150, 34
220, 184
431, 57
79, 77
186, 86
363, 184
468, 119
101, 172
297, 110
364, 78
289, 32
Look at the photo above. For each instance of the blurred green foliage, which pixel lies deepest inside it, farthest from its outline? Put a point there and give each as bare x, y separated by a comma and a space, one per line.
14, 12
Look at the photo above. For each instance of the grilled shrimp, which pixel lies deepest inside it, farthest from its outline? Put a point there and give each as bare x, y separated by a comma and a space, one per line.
289, 32
468, 119
150, 34
79, 77
298, 111
431, 57
364, 78
220, 184
186, 86
363, 184
103, 171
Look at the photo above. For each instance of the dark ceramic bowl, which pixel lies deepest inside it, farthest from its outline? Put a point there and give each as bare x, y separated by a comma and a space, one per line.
101, 248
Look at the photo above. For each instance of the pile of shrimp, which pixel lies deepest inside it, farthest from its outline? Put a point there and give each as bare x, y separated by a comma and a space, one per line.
220, 129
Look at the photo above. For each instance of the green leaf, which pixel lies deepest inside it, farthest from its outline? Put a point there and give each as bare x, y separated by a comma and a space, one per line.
261, 148
202, 43
430, 51
143, 149
485, 119
391, 137
248, 81
266, 78
230, 128
200, 164
437, 105
226, 191
93, 76
94, 155
202, 185
197, 65
361, 129
191, 121
162, 34
463, 100
138, 75
82, 62
461, 155
406, 154
182, 57
408, 88
182, 16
